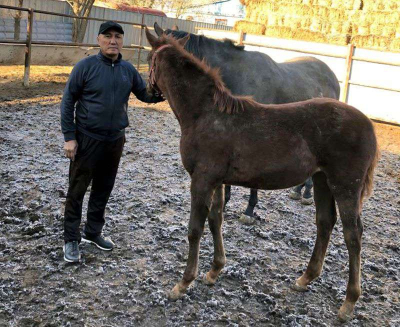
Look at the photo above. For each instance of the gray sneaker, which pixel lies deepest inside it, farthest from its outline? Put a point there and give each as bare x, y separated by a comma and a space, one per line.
71, 252
103, 243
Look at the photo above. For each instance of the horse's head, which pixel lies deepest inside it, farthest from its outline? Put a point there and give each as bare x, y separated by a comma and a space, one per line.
158, 45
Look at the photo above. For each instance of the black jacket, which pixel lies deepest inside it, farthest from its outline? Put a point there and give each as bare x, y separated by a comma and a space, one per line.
100, 89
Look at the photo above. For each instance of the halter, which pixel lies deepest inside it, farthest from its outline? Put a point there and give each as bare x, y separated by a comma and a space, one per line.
152, 75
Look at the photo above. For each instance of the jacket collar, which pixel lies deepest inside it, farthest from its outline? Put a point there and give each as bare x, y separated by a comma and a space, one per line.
108, 61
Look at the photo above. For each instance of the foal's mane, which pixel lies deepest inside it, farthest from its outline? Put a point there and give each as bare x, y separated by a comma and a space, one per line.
225, 101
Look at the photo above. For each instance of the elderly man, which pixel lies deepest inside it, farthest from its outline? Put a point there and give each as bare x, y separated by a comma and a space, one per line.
94, 134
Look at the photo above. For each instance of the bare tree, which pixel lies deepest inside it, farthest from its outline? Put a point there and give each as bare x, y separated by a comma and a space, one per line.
17, 21
180, 7
138, 3
81, 8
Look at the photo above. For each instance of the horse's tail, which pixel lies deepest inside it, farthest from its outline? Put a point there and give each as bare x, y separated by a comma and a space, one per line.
369, 179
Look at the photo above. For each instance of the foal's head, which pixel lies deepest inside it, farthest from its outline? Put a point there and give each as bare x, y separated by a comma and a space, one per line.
157, 45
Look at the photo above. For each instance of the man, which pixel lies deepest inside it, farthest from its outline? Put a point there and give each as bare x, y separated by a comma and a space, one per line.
94, 134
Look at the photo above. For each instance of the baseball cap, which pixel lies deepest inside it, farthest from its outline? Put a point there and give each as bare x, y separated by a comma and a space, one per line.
110, 24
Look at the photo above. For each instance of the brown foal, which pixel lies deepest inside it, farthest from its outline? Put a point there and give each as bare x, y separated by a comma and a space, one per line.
234, 140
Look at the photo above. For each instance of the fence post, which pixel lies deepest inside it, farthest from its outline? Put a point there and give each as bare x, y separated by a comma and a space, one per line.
140, 42
28, 47
349, 63
241, 37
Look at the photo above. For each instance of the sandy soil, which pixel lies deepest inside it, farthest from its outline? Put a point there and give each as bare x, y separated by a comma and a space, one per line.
147, 218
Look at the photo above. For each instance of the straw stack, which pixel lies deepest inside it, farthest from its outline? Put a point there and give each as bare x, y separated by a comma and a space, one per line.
250, 28
366, 23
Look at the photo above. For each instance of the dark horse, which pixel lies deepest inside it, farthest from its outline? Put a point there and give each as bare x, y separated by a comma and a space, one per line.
234, 140
256, 74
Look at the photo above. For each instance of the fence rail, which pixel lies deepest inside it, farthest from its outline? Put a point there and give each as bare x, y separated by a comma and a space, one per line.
28, 43
132, 40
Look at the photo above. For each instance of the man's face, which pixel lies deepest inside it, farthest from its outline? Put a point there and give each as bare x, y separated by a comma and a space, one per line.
110, 43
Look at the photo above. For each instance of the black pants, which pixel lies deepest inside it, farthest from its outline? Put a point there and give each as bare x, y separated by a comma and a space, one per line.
96, 162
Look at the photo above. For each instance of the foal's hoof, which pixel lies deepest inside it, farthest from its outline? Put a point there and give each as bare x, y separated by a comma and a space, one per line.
307, 201
346, 311
298, 287
176, 293
208, 280
246, 220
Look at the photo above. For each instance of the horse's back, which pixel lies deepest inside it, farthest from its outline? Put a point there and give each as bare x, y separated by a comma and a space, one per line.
316, 72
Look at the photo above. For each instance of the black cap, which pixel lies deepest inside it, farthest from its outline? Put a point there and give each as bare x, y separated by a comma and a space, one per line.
110, 24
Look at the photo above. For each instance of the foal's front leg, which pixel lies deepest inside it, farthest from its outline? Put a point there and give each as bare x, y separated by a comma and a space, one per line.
215, 220
202, 193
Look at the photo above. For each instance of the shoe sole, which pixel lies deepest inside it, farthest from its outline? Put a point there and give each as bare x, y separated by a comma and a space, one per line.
69, 260
89, 241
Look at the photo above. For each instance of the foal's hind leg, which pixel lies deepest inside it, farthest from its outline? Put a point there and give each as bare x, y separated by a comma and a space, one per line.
326, 219
215, 220
349, 208
201, 193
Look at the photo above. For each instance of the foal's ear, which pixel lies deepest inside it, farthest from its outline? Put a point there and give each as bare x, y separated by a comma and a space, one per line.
183, 40
158, 29
150, 37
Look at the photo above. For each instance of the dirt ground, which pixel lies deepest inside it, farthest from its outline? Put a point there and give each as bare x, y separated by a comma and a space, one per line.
147, 218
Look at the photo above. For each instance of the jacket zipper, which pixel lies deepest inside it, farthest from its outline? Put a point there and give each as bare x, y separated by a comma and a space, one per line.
112, 97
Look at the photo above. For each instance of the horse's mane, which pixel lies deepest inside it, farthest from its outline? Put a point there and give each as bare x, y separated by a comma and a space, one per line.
223, 98
196, 43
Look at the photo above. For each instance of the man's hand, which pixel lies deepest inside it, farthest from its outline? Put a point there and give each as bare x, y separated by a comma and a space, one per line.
70, 149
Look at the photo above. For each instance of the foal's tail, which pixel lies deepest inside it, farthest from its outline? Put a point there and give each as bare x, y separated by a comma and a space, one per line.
369, 179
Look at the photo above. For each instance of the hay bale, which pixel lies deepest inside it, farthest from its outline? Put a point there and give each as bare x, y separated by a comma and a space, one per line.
365, 18
298, 34
329, 14
371, 42
395, 45
342, 39
340, 28
347, 4
249, 27
382, 30
378, 5
324, 3
369, 23
361, 30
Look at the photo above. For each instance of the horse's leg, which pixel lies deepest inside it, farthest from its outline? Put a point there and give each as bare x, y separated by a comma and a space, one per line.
215, 220
227, 195
307, 197
349, 208
326, 219
201, 194
295, 193
252, 203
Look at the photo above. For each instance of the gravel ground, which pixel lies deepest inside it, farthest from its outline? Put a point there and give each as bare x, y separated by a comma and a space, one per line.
147, 218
